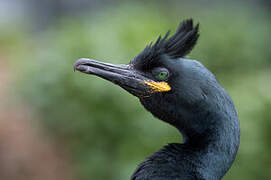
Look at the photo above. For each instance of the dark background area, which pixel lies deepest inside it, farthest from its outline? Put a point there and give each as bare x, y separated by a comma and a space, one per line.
57, 124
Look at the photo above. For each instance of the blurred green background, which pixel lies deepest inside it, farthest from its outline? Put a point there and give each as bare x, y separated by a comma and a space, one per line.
93, 128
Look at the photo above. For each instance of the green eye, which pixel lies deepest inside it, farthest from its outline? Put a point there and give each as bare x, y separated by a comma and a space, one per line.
162, 75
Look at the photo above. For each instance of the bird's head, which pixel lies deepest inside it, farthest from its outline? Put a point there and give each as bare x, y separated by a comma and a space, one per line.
170, 87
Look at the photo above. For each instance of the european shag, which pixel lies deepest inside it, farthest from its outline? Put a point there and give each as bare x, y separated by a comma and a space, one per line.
183, 93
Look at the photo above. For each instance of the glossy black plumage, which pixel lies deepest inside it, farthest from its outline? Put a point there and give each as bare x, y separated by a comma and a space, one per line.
189, 98
177, 46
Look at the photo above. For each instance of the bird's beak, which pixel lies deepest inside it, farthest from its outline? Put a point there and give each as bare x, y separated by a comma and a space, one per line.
123, 75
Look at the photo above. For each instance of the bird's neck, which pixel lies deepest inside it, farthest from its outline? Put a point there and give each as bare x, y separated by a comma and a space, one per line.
215, 149
216, 144
210, 148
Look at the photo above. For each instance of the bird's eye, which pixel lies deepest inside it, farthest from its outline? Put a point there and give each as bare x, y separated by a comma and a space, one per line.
160, 73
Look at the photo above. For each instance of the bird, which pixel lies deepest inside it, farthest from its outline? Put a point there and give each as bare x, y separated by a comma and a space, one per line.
185, 94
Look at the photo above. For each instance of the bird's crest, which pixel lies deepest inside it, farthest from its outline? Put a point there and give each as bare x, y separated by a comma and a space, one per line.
176, 46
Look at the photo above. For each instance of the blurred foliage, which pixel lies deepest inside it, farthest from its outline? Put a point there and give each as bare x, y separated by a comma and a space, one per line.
106, 131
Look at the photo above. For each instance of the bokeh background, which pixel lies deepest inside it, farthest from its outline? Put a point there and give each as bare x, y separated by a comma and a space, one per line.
56, 124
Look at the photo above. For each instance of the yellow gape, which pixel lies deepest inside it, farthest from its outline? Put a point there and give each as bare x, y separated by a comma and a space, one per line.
158, 86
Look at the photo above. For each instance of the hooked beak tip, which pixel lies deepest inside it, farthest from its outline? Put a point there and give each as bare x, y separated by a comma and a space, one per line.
81, 61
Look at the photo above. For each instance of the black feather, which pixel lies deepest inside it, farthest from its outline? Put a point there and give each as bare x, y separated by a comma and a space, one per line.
177, 46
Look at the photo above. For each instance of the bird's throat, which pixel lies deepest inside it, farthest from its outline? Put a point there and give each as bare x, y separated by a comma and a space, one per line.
211, 145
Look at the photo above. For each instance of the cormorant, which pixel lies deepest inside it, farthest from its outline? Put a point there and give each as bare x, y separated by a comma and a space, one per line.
185, 94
